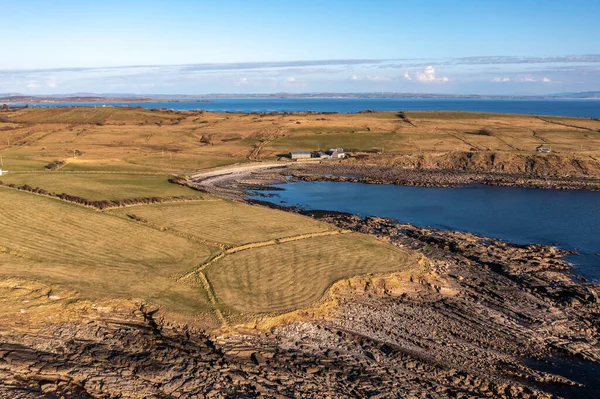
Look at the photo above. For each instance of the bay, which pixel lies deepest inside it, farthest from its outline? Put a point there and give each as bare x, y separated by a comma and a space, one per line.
568, 219
589, 108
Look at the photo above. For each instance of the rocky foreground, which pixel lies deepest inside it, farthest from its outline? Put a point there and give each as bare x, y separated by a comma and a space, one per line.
475, 318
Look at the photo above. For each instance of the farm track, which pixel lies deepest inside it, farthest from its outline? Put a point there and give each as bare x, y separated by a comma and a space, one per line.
255, 153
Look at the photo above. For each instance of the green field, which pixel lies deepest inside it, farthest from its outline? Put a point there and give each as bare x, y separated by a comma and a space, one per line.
293, 275
212, 261
359, 141
102, 186
226, 222
100, 255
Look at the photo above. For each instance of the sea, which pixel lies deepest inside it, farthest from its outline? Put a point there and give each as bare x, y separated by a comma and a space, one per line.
588, 108
568, 219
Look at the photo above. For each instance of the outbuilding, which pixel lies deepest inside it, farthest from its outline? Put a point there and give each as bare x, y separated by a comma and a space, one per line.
336, 153
543, 149
300, 154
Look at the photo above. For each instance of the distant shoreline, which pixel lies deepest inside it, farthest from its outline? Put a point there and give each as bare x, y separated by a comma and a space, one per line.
202, 98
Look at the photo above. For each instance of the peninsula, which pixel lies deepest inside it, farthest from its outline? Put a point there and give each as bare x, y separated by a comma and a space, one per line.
134, 263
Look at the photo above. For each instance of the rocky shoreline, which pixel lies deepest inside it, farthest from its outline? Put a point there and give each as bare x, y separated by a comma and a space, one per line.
525, 297
474, 318
235, 184
372, 174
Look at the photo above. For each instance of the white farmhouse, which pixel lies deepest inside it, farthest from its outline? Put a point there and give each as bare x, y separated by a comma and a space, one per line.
336, 153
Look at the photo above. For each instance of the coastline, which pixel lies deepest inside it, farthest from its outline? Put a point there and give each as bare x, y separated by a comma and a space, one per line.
233, 182
532, 302
374, 174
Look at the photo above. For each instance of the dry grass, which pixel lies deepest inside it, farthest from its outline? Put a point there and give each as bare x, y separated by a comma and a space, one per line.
108, 256
117, 139
96, 186
293, 275
226, 222
99, 255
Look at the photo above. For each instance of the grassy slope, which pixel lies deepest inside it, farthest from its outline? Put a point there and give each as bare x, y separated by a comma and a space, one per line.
114, 139
62, 243
226, 222
293, 275
108, 256
94, 186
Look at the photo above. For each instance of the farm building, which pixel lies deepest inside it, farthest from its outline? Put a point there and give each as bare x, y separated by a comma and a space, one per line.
2, 171
300, 154
543, 149
336, 153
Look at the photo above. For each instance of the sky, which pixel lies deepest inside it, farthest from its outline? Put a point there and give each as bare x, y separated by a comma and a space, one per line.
269, 46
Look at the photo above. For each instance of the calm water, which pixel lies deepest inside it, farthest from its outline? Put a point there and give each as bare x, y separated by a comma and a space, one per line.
567, 218
582, 108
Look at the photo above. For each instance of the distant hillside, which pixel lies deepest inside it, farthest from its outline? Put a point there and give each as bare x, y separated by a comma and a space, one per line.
129, 97
582, 94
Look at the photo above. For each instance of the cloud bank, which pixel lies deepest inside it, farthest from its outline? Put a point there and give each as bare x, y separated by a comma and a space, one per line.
467, 75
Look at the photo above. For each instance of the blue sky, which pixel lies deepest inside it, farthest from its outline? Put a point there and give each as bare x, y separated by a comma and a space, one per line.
261, 46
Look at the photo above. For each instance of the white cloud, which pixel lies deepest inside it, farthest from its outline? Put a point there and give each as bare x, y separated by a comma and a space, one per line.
354, 77
407, 76
379, 78
51, 83
527, 78
241, 82
31, 85
532, 79
501, 79
429, 75
290, 80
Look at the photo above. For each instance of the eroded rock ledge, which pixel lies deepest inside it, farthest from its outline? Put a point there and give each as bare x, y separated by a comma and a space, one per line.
374, 174
475, 318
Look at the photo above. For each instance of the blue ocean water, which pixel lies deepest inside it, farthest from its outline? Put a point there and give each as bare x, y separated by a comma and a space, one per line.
568, 219
558, 107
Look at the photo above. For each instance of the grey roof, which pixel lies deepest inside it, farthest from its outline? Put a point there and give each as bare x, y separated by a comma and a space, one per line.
299, 152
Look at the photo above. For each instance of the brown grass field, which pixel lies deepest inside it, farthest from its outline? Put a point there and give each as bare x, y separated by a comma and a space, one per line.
226, 222
109, 153
284, 277
140, 140
99, 255
102, 186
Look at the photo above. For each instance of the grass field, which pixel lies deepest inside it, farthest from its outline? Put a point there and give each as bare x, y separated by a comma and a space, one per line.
359, 141
97, 186
226, 222
141, 140
292, 275
198, 259
99, 255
